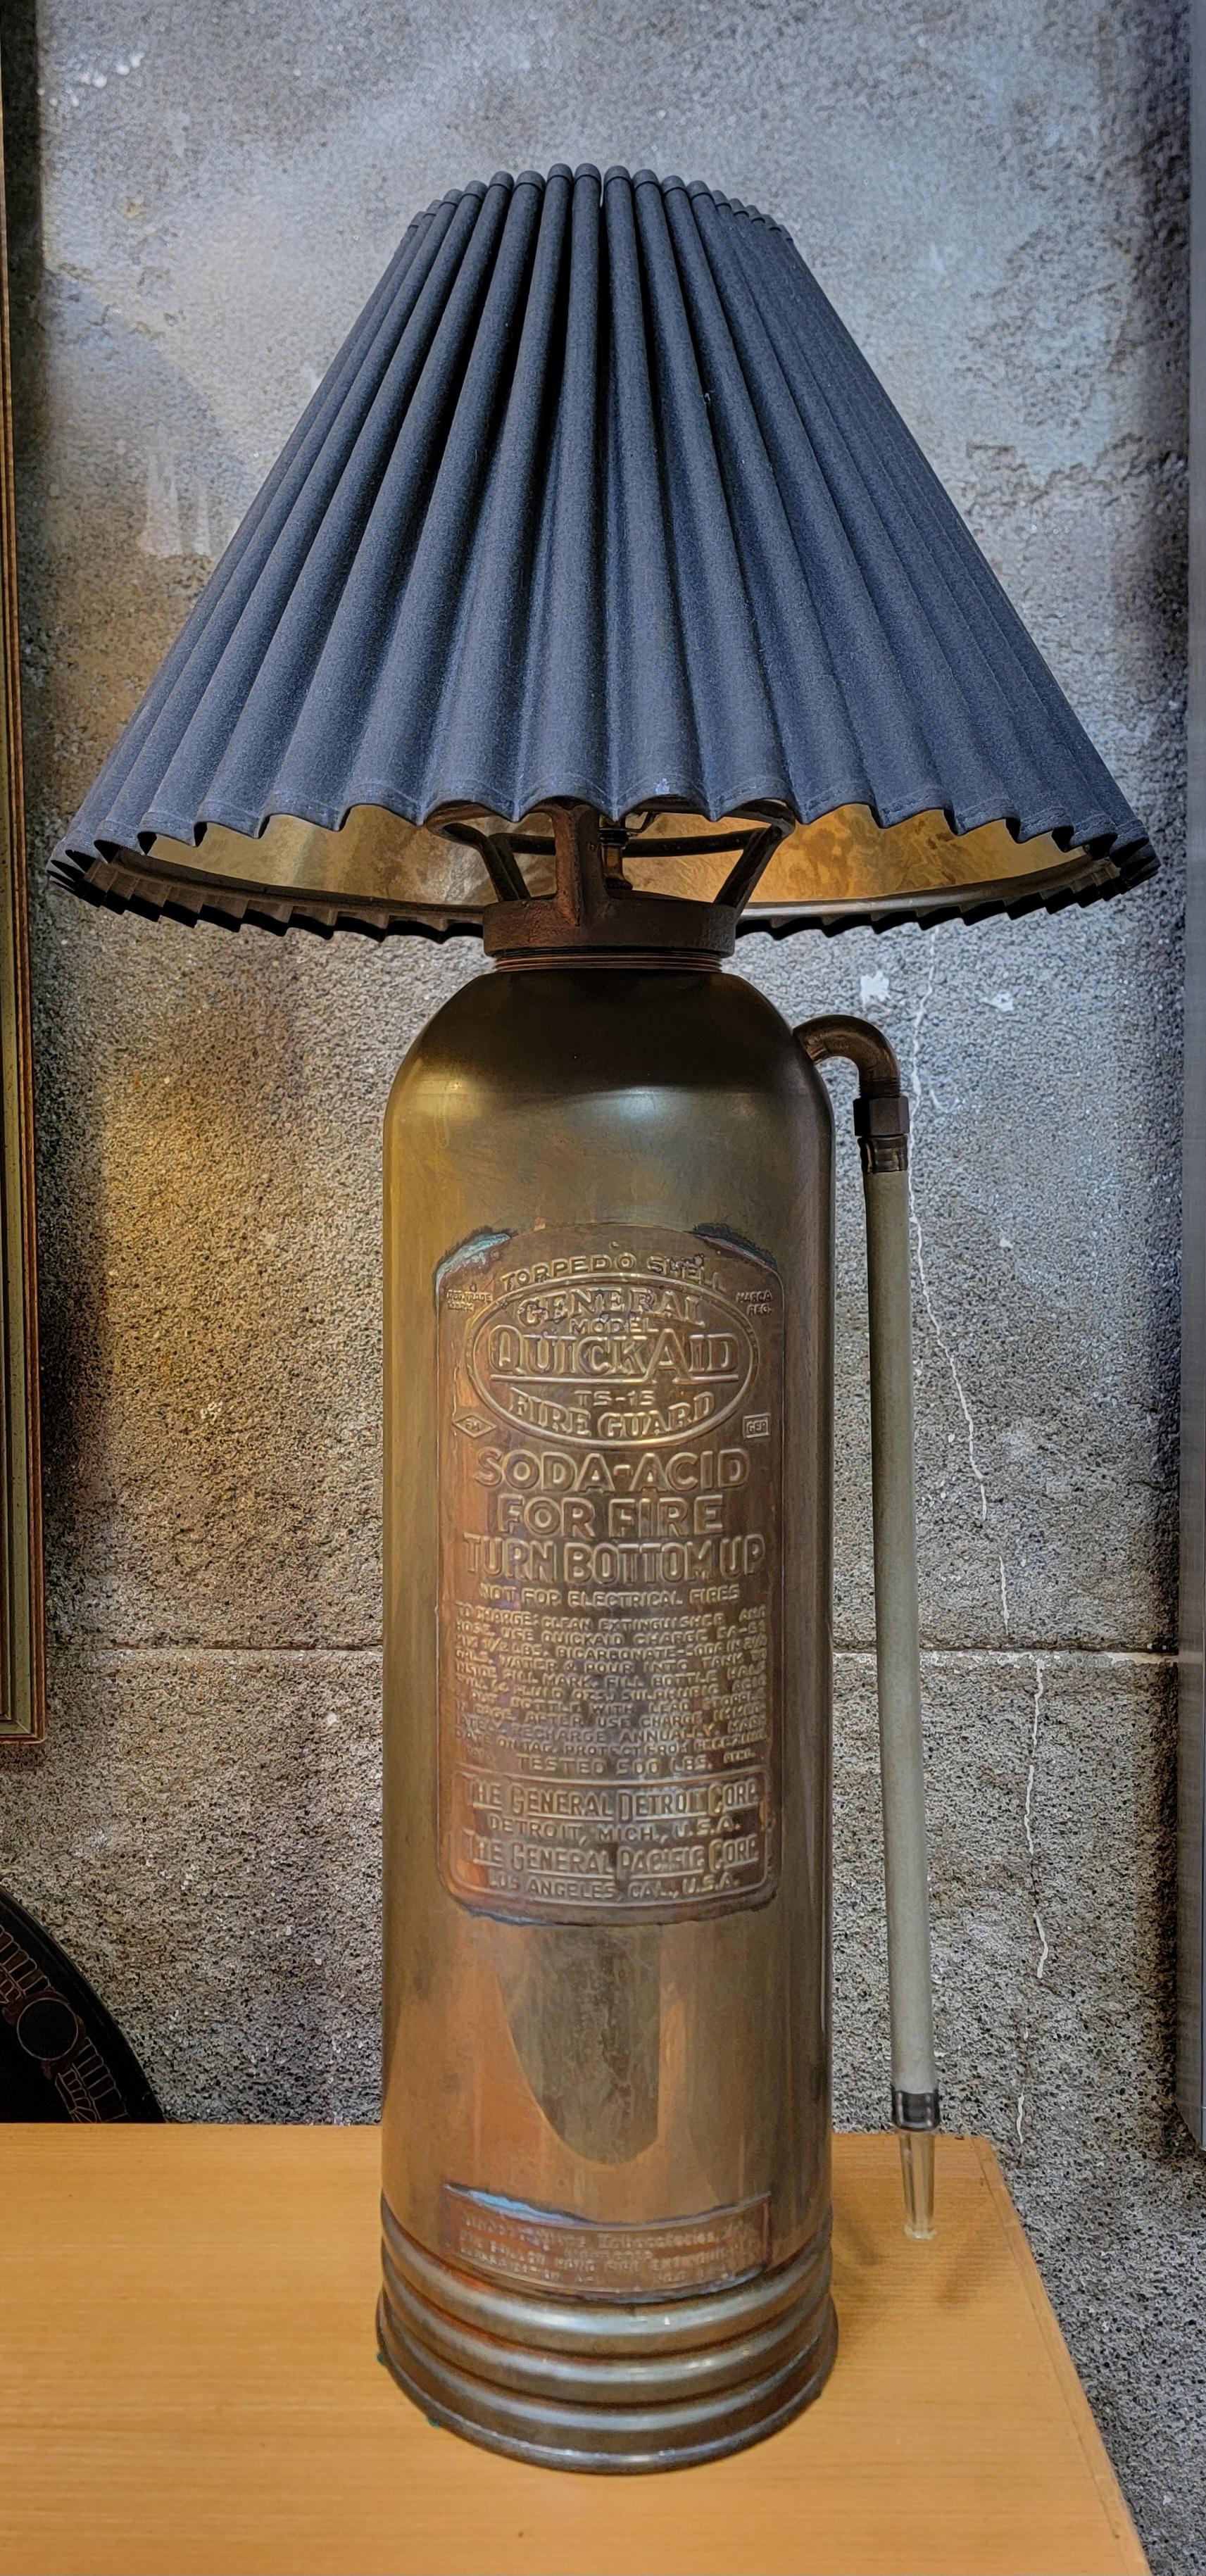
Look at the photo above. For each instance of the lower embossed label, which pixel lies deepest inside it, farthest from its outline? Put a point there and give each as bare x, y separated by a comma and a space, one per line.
546, 2249
610, 1573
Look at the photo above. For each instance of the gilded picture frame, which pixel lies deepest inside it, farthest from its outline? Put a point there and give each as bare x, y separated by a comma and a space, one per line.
22, 1655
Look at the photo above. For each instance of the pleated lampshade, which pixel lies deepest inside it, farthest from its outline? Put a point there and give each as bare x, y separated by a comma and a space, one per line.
600, 502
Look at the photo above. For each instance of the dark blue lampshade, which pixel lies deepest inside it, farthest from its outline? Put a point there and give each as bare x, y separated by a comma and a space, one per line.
599, 501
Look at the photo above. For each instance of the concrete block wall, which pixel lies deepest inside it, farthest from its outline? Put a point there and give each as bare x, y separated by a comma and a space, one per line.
995, 199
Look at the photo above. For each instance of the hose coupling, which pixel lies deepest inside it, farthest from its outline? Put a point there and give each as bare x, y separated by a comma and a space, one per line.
915, 2110
881, 1124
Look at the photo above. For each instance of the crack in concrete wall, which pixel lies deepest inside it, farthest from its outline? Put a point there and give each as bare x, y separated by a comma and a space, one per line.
1032, 1856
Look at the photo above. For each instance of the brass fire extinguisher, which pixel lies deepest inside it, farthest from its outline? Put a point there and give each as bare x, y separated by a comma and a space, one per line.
609, 1256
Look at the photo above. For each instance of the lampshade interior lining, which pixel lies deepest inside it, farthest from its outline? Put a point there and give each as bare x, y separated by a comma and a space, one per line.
844, 857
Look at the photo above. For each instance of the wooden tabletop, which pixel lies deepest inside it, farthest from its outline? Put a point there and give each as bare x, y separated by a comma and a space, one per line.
193, 2391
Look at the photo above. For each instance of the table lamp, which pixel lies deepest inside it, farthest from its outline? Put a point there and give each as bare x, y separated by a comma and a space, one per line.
602, 607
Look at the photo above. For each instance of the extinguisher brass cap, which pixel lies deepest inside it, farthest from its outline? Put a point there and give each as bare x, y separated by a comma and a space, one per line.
600, 504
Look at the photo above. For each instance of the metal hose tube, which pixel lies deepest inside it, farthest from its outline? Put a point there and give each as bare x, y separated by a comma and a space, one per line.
881, 1121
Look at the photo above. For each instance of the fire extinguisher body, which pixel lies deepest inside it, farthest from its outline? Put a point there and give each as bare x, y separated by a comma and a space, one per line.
608, 1327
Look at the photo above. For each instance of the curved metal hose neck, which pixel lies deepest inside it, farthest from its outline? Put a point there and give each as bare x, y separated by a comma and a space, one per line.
881, 1111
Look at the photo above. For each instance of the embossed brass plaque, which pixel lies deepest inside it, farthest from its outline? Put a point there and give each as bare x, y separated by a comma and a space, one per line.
549, 2250
610, 1505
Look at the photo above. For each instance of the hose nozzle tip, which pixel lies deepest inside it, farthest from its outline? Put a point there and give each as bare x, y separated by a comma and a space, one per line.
917, 2174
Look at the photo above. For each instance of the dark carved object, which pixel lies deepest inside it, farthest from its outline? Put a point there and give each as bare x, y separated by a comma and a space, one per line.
62, 2056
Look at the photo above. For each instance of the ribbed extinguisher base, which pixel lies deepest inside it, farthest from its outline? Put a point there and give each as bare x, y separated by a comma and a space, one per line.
593, 2385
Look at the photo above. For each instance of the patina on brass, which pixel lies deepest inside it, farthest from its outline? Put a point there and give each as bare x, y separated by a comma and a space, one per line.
608, 1303
608, 1249
610, 1472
